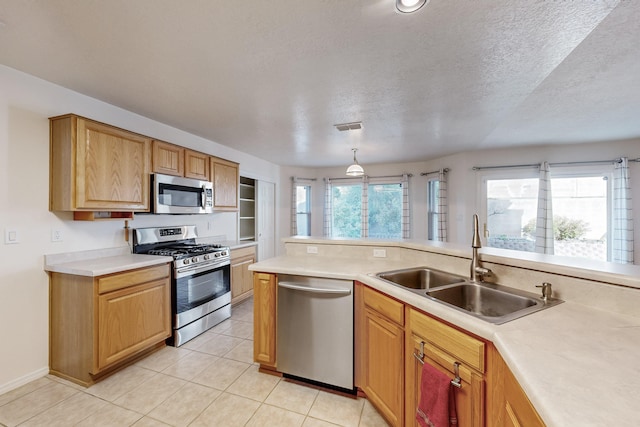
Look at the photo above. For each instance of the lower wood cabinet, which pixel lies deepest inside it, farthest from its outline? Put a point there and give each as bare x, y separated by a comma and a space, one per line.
444, 347
265, 299
510, 406
380, 352
241, 277
98, 324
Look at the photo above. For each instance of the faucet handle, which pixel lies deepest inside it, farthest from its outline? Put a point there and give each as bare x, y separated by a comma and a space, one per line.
546, 290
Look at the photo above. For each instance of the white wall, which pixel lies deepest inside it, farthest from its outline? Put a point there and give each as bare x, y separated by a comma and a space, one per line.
26, 103
463, 182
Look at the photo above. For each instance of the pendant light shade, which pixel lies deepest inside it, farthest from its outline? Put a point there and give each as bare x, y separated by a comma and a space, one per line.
355, 169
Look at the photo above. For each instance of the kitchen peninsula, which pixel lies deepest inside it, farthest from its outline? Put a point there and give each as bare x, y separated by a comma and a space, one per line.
574, 361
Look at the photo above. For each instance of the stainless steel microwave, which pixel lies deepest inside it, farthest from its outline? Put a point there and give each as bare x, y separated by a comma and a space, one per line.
177, 195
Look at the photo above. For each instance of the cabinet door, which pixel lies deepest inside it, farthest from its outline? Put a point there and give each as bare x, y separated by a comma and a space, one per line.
196, 165
168, 158
264, 318
469, 398
384, 361
241, 278
130, 320
518, 410
225, 184
112, 168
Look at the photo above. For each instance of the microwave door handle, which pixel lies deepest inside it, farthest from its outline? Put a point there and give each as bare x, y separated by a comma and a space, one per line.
203, 197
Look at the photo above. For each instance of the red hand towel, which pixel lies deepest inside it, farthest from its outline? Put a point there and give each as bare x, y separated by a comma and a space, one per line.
437, 406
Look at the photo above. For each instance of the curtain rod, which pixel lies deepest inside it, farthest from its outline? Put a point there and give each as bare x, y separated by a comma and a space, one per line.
536, 165
360, 177
293, 178
432, 172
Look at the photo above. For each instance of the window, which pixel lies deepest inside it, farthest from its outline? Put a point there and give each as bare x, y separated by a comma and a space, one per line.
303, 210
380, 203
347, 210
581, 213
385, 211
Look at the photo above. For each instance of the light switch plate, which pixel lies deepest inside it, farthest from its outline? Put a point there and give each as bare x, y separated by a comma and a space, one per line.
11, 236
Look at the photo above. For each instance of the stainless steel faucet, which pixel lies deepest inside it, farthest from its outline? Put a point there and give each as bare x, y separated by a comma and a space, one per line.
477, 271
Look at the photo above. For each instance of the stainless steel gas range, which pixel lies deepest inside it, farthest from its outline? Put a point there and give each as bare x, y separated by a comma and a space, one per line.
201, 283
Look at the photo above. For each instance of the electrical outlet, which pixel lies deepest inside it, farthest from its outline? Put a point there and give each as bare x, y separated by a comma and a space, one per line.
312, 249
56, 235
11, 236
380, 253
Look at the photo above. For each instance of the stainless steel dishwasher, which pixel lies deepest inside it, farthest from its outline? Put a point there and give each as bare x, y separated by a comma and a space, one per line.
315, 330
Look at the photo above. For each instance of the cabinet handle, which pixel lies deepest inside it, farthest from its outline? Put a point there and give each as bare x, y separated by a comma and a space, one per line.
296, 287
456, 382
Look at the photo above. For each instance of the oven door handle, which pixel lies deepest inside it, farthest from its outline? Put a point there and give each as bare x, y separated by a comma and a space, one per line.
190, 271
300, 287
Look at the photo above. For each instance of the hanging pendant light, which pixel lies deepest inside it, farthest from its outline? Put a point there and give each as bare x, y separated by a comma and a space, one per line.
355, 169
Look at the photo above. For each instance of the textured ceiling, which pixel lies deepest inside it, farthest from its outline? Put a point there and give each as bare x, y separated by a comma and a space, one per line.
271, 78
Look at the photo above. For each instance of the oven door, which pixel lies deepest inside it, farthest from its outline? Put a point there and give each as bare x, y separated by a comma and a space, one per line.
176, 195
200, 291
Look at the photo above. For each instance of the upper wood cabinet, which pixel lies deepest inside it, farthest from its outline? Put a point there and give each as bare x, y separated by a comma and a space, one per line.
170, 159
225, 177
196, 165
97, 167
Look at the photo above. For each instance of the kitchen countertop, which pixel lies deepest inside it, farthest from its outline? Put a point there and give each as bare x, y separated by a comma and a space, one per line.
577, 364
100, 262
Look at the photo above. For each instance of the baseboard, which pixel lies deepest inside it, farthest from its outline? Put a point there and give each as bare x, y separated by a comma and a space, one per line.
11, 385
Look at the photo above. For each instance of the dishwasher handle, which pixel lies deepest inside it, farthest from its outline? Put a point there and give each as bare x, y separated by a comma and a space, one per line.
300, 287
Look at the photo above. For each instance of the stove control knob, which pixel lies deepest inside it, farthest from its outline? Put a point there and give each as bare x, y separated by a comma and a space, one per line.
207, 256
185, 261
195, 259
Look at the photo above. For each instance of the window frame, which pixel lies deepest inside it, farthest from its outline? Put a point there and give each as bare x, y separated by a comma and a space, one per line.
569, 171
307, 213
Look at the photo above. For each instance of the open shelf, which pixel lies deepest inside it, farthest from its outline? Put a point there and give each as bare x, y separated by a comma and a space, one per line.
247, 223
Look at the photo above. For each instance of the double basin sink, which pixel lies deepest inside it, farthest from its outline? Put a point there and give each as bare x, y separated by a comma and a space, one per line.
493, 303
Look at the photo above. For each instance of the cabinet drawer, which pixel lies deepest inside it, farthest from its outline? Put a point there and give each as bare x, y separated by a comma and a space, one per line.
135, 277
243, 252
460, 345
390, 308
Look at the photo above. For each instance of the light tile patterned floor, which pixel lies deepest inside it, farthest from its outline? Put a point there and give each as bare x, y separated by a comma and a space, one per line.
210, 381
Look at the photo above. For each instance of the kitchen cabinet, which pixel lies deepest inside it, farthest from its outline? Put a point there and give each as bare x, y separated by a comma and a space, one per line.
510, 406
99, 324
444, 347
225, 177
241, 277
380, 352
265, 298
196, 165
167, 159
170, 159
97, 167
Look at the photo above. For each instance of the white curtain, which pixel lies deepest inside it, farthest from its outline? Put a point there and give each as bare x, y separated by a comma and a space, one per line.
294, 206
544, 220
364, 218
442, 205
327, 209
406, 213
622, 214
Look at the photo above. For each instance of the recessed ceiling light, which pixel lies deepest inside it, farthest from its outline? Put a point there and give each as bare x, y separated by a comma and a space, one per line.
408, 6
